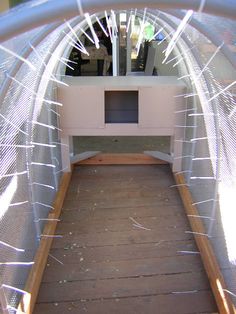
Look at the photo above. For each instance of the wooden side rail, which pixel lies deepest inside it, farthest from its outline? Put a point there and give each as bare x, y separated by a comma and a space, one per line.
210, 262
216, 279
35, 276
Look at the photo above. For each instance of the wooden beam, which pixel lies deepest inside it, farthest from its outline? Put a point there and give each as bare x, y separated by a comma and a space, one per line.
35, 276
83, 156
122, 159
210, 262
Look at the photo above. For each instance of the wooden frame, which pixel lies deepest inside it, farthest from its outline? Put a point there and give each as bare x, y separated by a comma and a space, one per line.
35, 276
209, 260
157, 106
211, 266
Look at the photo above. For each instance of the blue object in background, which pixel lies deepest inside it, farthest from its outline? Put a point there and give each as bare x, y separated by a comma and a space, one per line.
160, 37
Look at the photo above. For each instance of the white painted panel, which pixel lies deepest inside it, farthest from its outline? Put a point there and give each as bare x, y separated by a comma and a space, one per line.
83, 111
83, 107
110, 82
118, 129
157, 106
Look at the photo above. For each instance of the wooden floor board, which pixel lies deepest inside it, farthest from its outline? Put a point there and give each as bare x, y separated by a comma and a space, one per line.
121, 269
122, 252
124, 247
127, 199
119, 238
122, 287
120, 224
201, 302
117, 212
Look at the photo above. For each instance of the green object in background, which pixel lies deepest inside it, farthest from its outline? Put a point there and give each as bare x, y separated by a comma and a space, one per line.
149, 32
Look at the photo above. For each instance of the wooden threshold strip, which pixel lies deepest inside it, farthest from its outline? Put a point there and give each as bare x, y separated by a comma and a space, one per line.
211, 266
32, 286
122, 159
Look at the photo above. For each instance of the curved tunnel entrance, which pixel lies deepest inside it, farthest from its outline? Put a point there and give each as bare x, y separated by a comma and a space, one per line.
186, 92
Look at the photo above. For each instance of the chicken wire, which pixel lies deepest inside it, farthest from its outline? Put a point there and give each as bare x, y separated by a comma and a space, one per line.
30, 169
209, 149
17, 46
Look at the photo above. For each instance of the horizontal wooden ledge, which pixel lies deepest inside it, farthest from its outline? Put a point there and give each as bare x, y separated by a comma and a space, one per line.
122, 159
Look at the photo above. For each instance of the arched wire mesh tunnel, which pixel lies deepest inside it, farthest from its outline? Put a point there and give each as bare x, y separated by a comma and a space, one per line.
194, 43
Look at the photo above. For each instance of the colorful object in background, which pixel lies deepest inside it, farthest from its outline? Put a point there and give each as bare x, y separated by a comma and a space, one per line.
149, 32
160, 37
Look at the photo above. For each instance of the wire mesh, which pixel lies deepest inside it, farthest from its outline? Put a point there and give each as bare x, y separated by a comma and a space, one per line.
29, 170
17, 47
212, 150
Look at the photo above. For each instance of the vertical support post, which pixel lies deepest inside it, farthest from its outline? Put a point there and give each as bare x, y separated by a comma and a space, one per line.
115, 50
71, 146
65, 152
50, 134
128, 44
178, 137
177, 148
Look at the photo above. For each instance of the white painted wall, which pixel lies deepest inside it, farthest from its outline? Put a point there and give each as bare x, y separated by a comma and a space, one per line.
157, 105
83, 111
83, 108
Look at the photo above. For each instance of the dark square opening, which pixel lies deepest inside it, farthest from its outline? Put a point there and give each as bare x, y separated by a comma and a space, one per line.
121, 106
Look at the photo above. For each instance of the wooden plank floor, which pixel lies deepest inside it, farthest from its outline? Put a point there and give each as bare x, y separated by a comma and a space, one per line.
124, 247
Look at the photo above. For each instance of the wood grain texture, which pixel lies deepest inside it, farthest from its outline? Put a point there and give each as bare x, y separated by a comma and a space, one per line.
124, 247
201, 302
40, 260
210, 262
122, 159
123, 287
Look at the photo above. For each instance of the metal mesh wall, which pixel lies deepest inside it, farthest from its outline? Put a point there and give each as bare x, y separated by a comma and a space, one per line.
30, 169
209, 147
17, 47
